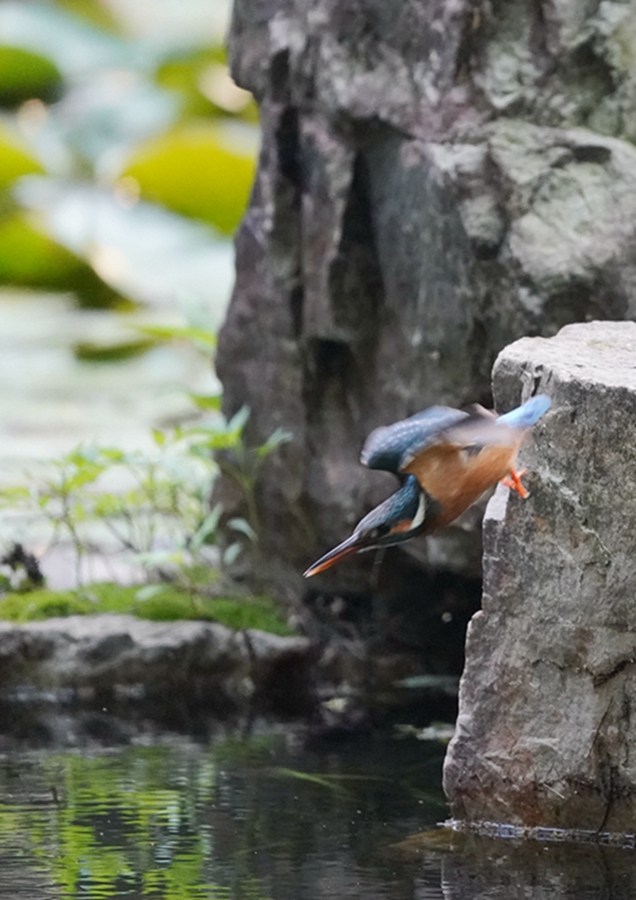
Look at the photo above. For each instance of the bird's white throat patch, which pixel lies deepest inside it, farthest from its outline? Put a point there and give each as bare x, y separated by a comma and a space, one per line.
418, 518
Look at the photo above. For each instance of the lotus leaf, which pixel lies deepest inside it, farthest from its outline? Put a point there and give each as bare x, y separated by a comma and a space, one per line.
196, 171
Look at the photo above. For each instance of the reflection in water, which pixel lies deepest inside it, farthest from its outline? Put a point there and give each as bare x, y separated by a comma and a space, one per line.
265, 817
244, 818
493, 870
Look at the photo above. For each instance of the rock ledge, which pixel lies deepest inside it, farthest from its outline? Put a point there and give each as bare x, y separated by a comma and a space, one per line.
546, 734
110, 653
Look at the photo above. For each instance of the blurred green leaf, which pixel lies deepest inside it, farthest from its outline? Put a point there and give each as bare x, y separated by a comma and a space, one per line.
180, 332
243, 527
207, 528
239, 420
87, 475
14, 494
72, 43
88, 351
110, 455
278, 437
15, 158
150, 590
210, 402
196, 171
123, 243
231, 553
202, 80
93, 11
25, 75
30, 258
180, 73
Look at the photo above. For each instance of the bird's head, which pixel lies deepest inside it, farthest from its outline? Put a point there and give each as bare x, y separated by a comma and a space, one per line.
403, 515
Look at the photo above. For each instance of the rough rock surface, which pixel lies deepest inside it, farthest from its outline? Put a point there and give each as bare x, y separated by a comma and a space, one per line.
436, 180
546, 733
103, 654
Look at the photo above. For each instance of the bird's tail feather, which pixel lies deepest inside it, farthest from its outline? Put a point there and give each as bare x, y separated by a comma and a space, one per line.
527, 414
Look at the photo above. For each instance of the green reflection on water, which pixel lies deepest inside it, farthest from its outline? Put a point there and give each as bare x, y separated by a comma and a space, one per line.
183, 820
121, 824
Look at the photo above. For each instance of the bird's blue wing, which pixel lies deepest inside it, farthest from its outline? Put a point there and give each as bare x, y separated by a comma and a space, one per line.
391, 447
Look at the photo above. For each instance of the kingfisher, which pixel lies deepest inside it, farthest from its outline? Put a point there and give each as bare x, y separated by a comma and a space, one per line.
445, 459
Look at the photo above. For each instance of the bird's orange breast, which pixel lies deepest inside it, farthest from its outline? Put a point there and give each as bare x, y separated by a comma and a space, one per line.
456, 477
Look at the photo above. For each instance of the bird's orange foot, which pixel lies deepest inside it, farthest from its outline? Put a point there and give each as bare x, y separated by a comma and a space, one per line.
514, 482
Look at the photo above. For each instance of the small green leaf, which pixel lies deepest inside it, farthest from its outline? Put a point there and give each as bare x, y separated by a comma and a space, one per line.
180, 332
159, 437
149, 590
243, 527
86, 475
211, 521
207, 401
108, 505
239, 420
88, 351
14, 494
278, 437
112, 454
231, 553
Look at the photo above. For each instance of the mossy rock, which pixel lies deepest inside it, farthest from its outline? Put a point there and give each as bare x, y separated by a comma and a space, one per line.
166, 603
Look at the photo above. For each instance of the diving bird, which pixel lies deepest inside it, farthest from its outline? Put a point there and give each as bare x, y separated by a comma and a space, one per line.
445, 458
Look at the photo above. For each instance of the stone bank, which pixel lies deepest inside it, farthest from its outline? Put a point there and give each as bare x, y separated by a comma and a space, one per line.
546, 733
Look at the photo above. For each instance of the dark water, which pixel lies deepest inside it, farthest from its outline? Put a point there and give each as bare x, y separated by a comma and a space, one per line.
260, 812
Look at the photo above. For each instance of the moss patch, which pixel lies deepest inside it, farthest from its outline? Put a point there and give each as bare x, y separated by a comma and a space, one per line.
166, 603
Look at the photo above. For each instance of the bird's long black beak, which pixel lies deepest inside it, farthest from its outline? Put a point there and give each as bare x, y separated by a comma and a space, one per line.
352, 545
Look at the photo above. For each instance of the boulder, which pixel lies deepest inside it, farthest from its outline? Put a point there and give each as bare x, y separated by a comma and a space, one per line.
106, 654
546, 733
435, 181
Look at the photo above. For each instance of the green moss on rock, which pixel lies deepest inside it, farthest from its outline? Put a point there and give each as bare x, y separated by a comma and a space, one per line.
167, 603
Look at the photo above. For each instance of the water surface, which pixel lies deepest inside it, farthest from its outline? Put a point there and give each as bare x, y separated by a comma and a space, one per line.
256, 816
261, 810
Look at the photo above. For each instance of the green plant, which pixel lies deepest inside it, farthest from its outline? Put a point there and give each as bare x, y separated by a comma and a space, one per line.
154, 505
239, 460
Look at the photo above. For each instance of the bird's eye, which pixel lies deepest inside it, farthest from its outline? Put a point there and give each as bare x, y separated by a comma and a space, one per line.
378, 532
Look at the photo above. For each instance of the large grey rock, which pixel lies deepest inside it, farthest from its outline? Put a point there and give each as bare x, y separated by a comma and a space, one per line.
436, 180
546, 733
107, 653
